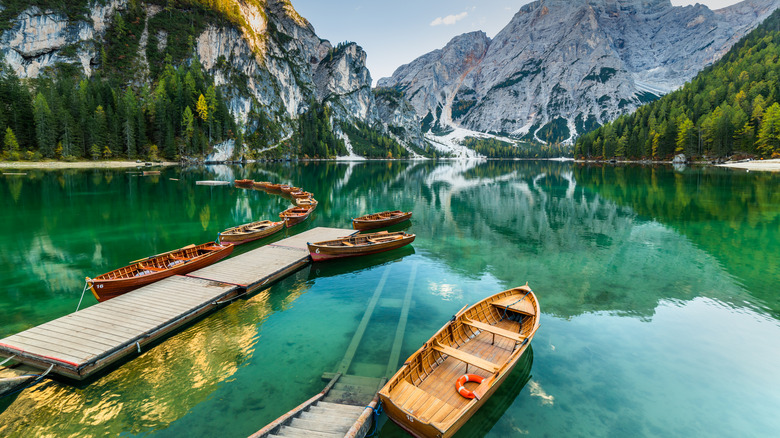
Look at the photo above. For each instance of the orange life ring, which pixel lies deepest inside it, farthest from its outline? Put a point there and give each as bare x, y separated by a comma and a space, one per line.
460, 384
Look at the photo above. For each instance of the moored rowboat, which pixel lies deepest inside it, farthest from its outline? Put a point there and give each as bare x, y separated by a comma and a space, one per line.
429, 396
290, 189
380, 220
301, 194
273, 187
244, 182
248, 232
359, 244
260, 184
306, 202
155, 268
295, 215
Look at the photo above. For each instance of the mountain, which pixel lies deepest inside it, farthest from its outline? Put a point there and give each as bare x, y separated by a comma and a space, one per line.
730, 107
563, 67
265, 60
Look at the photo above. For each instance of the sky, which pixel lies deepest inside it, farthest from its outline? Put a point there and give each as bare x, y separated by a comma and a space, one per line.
395, 32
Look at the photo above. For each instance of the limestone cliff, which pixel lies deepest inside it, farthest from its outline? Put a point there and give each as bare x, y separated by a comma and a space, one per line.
263, 55
562, 67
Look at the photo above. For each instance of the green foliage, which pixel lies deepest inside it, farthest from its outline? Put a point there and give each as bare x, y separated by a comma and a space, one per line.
721, 111
494, 148
96, 112
371, 143
557, 130
602, 76
9, 141
122, 42
315, 137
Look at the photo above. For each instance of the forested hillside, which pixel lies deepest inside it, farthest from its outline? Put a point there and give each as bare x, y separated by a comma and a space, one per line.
168, 79
730, 107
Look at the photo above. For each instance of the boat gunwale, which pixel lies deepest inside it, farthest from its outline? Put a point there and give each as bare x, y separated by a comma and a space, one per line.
493, 382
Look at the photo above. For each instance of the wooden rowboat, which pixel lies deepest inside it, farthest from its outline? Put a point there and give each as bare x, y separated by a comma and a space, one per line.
244, 182
147, 271
249, 232
426, 396
359, 244
295, 215
273, 187
301, 194
290, 189
380, 220
260, 184
306, 202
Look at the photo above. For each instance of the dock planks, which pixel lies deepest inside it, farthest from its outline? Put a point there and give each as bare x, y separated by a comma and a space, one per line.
87, 341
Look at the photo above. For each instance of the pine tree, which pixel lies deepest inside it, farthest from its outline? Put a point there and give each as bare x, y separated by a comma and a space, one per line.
44, 126
10, 143
188, 128
769, 133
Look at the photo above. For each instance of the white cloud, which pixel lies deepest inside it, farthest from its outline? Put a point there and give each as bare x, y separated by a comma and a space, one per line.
449, 19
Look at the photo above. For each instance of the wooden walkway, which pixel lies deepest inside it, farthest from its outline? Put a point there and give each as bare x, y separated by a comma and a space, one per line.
84, 342
346, 406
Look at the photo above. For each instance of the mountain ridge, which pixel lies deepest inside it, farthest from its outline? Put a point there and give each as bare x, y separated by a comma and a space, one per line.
562, 67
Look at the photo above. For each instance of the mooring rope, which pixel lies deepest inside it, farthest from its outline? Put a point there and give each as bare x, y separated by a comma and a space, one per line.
3, 362
86, 285
34, 382
376, 412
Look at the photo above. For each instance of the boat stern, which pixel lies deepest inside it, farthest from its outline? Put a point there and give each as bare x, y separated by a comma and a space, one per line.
407, 421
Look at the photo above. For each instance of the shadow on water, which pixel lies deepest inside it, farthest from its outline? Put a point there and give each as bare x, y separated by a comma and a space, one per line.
332, 268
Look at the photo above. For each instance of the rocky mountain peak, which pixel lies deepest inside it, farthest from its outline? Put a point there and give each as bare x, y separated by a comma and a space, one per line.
563, 67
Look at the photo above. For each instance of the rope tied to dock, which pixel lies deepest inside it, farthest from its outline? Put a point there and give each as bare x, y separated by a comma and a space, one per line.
6, 360
34, 382
86, 286
376, 412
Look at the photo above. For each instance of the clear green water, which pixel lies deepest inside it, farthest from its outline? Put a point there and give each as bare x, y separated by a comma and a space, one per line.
659, 293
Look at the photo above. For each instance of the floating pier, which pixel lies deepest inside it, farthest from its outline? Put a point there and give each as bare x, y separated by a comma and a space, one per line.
87, 341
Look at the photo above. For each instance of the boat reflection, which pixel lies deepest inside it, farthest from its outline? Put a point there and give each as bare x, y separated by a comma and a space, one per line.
355, 264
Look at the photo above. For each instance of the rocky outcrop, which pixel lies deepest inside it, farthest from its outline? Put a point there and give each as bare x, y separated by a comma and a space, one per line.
562, 67
37, 38
342, 78
271, 62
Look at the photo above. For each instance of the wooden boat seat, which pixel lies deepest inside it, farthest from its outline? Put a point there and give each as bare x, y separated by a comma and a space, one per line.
466, 357
384, 239
152, 268
526, 307
421, 403
347, 244
493, 329
213, 248
180, 258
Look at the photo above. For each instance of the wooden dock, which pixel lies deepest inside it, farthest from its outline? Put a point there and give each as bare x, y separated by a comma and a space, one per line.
346, 406
89, 340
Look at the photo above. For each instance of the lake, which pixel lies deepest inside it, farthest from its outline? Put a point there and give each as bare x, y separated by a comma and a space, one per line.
658, 287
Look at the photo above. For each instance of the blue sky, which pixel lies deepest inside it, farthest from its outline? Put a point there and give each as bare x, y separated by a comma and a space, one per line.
396, 32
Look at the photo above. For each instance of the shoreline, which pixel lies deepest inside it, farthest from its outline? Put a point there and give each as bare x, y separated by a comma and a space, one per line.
772, 165
79, 164
757, 165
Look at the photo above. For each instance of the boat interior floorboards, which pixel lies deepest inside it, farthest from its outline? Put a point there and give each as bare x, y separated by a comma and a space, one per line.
441, 381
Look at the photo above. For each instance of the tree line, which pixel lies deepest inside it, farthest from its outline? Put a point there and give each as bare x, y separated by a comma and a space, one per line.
730, 107
70, 118
494, 148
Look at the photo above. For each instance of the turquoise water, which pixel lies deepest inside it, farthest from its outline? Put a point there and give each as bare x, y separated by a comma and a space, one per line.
658, 292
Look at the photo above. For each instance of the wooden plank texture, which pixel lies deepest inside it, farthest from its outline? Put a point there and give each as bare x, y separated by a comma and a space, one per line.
87, 340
